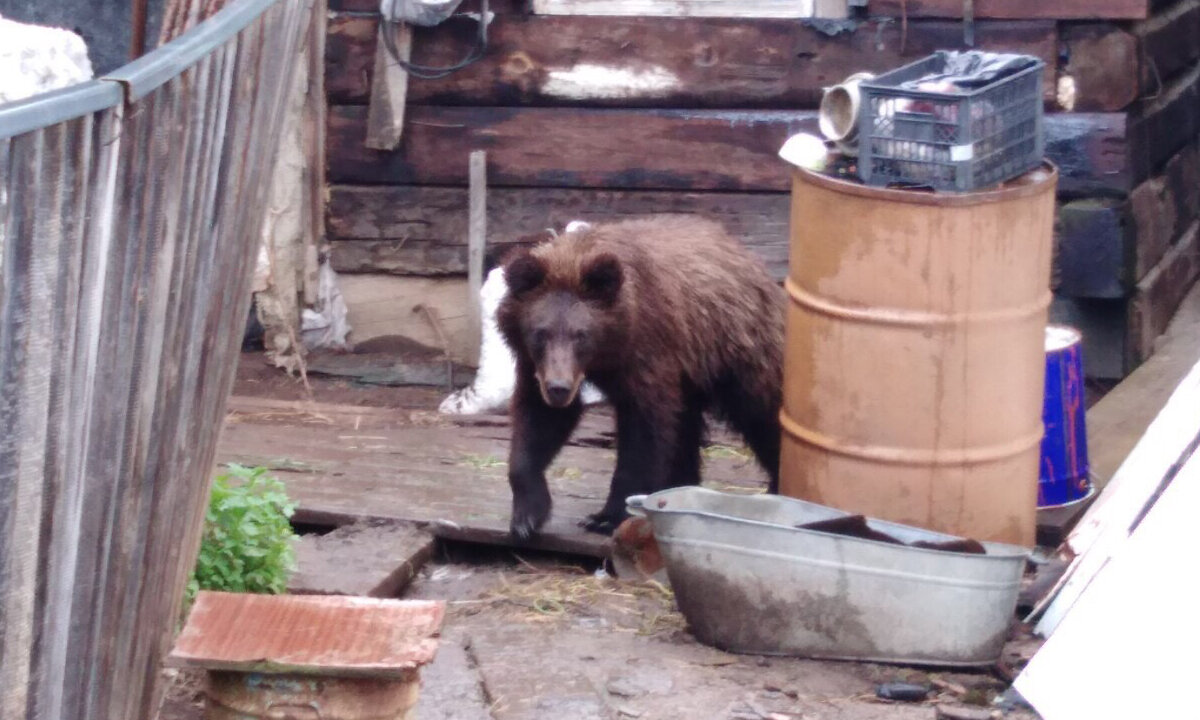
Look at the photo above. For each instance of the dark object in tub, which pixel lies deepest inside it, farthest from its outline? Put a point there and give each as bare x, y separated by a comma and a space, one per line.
856, 526
965, 545
851, 526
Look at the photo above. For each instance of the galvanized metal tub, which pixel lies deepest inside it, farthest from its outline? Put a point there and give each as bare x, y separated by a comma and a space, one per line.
749, 581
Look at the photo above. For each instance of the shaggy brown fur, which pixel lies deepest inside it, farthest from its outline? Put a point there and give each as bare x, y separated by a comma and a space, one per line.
669, 317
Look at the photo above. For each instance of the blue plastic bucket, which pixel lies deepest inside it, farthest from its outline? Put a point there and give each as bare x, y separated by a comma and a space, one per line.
1064, 475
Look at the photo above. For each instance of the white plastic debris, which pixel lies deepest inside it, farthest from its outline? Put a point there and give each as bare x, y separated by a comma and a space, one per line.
805, 150
324, 325
497, 375
36, 59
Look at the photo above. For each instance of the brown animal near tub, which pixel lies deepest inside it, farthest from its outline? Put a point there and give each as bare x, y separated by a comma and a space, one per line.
670, 318
634, 553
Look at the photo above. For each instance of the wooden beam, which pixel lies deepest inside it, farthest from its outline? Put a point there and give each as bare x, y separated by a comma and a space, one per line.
1090, 150
1160, 292
661, 62
557, 147
1169, 43
372, 6
421, 230
1016, 9
1120, 418
476, 239
654, 149
1104, 64
1161, 125
1093, 245
678, 8
389, 90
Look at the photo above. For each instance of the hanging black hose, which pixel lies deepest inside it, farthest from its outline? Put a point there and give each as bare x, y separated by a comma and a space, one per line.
426, 72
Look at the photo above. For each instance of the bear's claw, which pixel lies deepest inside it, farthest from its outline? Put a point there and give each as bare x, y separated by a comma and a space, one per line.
528, 517
602, 522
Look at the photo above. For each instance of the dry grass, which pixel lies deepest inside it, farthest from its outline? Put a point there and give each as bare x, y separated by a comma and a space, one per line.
721, 450
287, 417
541, 595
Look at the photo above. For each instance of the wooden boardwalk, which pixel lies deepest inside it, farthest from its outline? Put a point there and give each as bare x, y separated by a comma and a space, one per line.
343, 463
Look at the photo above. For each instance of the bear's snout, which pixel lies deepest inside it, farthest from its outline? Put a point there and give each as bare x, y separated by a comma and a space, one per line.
560, 375
559, 394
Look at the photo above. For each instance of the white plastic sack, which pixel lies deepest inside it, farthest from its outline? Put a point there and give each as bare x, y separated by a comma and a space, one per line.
324, 325
36, 59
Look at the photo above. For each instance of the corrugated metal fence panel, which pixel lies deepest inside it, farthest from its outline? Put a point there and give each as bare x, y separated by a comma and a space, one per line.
127, 239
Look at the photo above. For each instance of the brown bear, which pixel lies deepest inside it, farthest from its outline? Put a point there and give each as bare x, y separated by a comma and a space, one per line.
669, 317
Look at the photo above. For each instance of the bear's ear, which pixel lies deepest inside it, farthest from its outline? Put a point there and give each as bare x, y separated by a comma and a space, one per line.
524, 274
602, 278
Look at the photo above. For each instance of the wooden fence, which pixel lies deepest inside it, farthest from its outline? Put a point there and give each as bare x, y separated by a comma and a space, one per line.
130, 211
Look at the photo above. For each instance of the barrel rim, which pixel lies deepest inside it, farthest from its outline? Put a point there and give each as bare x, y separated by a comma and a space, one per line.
897, 316
1025, 186
919, 456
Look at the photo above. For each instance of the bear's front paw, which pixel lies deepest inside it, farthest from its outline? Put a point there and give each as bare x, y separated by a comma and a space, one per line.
529, 514
603, 522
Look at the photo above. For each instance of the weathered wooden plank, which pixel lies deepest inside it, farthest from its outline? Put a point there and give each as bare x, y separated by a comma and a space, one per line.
470, 6
389, 89
476, 246
1161, 125
654, 149
1093, 244
792, 9
422, 230
1160, 292
1170, 42
447, 474
558, 147
660, 62
1183, 184
1163, 206
1104, 64
1152, 212
1090, 150
1016, 9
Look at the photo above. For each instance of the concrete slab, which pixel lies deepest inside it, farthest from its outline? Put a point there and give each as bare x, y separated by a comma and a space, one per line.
371, 559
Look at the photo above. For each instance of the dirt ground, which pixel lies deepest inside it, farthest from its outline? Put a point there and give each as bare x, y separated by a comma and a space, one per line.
543, 637
537, 636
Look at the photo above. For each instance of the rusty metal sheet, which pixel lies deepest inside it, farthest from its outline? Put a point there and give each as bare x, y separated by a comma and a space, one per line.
332, 635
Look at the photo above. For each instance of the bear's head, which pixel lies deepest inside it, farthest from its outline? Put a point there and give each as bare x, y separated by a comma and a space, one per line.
562, 317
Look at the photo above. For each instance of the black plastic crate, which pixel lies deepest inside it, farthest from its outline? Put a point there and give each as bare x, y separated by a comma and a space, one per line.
961, 141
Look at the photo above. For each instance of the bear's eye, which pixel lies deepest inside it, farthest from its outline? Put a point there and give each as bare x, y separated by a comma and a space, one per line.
540, 336
578, 336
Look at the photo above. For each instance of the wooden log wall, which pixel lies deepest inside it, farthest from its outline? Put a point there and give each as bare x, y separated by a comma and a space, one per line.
1126, 260
605, 117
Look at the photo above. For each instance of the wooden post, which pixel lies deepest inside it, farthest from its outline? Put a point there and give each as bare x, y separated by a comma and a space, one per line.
389, 90
831, 9
476, 240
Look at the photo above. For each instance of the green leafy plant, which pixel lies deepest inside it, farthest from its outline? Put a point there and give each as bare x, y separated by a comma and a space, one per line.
247, 545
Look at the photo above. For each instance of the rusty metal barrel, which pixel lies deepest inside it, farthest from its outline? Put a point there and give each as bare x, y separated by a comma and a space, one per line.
914, 362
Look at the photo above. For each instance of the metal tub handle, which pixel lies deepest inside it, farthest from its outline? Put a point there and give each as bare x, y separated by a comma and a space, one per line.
636, 505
